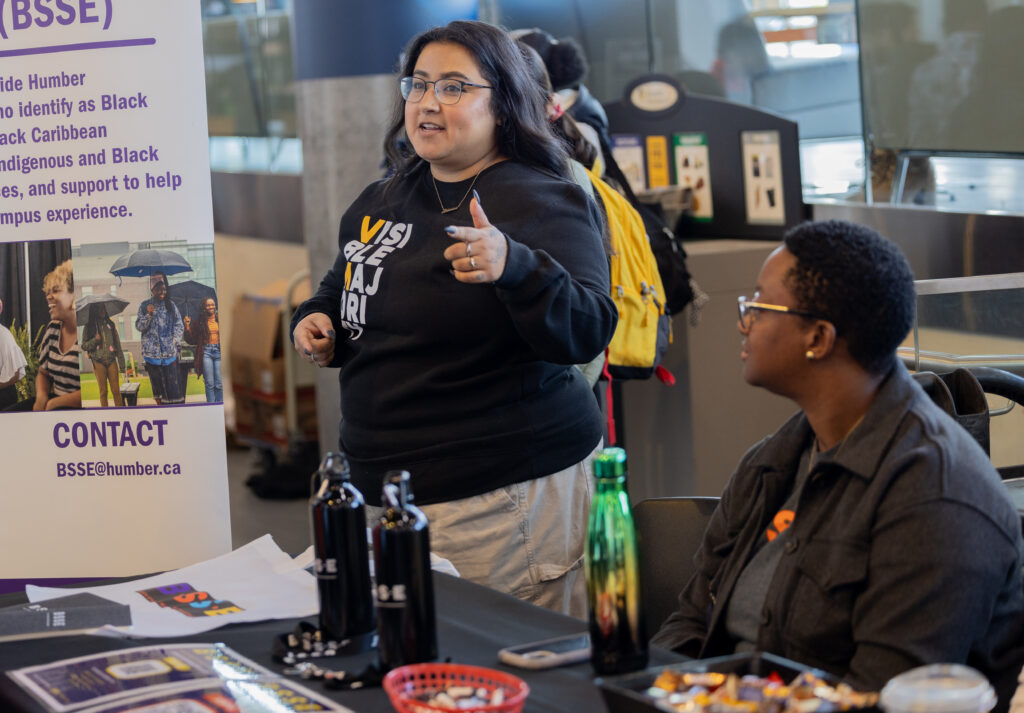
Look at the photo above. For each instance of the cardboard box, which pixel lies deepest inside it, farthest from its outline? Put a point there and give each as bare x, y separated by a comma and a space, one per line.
263, 419
258, 367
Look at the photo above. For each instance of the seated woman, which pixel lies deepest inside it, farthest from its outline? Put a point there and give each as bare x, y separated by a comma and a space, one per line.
870, 534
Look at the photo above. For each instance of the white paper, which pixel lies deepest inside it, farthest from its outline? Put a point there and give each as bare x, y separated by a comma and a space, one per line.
261, 580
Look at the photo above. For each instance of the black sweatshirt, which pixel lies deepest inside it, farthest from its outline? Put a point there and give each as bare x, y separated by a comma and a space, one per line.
468, 387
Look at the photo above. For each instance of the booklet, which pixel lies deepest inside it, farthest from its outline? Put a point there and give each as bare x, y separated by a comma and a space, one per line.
280, 696
74, 614
170, 677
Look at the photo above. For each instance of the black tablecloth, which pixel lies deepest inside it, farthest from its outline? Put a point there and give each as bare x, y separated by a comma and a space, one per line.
473, 624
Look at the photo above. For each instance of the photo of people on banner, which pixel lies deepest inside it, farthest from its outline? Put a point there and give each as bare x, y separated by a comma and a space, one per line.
39, 368
151, 326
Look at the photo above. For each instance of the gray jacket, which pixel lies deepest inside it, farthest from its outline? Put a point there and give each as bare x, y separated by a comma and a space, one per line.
905, 549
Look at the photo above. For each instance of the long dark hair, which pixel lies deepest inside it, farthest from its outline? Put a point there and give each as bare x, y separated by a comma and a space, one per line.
524, 134
98, 318
201, 328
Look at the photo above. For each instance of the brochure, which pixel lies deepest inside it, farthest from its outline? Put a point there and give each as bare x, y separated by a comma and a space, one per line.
628, 150
73, 614
101, 678
278, 696
168, 678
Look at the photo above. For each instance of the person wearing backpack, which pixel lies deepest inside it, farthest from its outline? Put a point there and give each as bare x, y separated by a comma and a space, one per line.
566, 66
644, 327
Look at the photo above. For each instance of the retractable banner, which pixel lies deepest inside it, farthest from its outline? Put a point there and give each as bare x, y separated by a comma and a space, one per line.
111, 421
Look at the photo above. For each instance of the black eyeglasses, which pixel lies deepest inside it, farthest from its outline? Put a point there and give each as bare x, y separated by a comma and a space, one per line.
447, 91
747, 308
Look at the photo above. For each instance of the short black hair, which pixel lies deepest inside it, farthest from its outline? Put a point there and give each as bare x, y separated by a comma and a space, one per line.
564, 59
857, 280
517, 101
565, 127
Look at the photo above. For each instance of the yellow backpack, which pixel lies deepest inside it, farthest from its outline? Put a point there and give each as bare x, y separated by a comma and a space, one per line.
645, 328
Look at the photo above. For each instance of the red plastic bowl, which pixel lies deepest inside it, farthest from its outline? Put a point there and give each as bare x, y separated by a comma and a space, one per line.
406, 684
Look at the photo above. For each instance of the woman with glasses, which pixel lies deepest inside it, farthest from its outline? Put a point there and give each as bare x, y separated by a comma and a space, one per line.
870, 534
468, 284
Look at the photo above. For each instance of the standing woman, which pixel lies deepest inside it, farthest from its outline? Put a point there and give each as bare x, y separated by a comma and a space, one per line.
103, 345
204, 334
160, 324
468, 284
57, 384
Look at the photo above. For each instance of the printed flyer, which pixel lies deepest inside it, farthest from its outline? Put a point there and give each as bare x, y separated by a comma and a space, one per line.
628, 150
762, 178
111, 416
165, 678
693, 171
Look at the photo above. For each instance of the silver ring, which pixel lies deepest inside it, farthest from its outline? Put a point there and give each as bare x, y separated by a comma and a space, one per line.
472, 263
469, 250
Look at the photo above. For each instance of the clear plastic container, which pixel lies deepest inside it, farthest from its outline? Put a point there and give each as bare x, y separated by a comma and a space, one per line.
939, 688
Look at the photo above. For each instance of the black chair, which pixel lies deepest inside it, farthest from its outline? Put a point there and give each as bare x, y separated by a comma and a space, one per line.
962, 391
961, 400
669, 531
1009, 386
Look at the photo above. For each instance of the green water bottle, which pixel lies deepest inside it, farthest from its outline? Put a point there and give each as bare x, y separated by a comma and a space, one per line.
618, 632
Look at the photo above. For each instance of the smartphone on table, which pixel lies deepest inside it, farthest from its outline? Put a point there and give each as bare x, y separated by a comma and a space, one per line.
549, 653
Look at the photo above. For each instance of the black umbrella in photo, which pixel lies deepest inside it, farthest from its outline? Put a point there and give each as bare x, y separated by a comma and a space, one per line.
111, 304
189, 296
149, 261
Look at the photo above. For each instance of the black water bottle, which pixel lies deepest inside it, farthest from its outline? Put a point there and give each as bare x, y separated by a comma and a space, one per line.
342, 558
406, 621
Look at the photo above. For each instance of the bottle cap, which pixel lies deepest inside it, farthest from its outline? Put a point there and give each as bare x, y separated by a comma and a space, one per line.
335, 467
610, 463
397, 488
938, 688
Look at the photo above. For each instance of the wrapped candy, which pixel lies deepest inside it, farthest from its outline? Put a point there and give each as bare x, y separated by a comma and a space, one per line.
728, 693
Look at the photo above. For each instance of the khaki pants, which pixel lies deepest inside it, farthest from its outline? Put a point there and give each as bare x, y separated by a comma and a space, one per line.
525, 539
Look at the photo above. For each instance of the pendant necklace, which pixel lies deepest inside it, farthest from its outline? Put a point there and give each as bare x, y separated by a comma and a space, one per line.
464, 197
